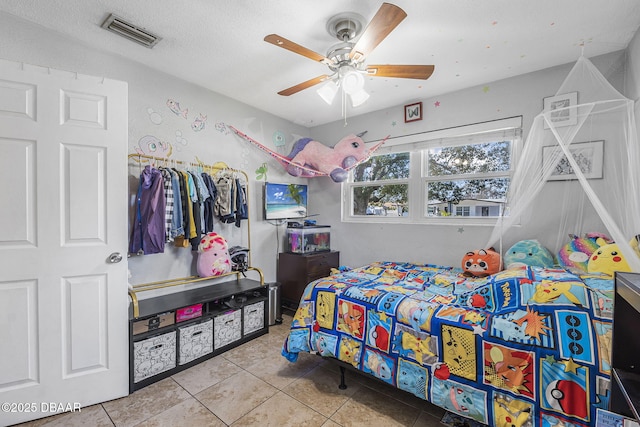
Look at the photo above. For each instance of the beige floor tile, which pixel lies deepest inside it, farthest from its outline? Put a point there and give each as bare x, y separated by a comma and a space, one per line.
145, 403
370, 408
94, 415
320, 391
253, 385
206, 374
189, 412
428, 420
279, 372
281, 410
257, 350
236, 396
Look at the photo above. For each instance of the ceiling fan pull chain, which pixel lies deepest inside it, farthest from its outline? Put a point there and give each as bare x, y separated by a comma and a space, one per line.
344, 106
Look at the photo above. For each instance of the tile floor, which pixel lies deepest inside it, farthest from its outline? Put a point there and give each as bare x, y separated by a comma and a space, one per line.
252, 385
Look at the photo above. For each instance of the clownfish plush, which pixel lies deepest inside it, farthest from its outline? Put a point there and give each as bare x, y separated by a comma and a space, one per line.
481, 262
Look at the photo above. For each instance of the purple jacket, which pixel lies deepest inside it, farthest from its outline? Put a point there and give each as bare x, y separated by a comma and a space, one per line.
148, 231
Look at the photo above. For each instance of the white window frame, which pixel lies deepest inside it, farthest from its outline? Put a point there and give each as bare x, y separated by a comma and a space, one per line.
416, 145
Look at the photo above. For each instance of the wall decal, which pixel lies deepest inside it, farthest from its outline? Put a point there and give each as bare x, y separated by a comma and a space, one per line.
198, 123
222, 128
154, 116
175, 107
180, 140
261, 172
150, 145
279, 139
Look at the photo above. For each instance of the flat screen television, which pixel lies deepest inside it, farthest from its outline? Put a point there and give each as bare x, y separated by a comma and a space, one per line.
285, 201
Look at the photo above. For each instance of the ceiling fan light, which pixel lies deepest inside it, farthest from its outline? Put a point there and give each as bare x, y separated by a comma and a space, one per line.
352, 81
359, 97
328, 91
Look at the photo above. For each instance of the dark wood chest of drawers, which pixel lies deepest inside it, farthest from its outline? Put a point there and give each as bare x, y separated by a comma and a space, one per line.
296, 271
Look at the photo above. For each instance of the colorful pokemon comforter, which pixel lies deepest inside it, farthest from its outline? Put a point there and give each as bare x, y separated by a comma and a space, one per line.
523, 347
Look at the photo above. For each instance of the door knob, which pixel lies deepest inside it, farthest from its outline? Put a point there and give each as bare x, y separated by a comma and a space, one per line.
115, 257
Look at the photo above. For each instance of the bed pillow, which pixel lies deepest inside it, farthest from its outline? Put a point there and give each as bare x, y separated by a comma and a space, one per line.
607, 259
528, 253
481, 262
575, 254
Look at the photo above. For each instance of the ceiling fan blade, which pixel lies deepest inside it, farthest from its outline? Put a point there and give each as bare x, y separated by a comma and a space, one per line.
422, 72
385, 20
304, 85
279, 41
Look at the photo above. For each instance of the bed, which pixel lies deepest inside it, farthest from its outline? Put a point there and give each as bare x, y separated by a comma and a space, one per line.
523, 347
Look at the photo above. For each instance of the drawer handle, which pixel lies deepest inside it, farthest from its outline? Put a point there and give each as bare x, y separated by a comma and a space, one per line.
196, 333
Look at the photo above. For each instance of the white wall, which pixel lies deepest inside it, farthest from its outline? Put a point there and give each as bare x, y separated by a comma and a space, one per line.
518, 96
149, 91
358, 243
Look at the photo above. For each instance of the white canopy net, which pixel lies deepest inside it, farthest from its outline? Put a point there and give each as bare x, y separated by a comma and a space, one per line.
578, 170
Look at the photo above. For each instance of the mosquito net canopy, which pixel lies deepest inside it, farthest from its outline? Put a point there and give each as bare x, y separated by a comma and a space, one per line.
578, 169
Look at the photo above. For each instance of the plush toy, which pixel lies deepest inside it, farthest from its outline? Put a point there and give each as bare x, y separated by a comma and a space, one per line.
528, 253
310, 158
213, 256
574, 255
607, 259
635, 244
334, 162
481, 262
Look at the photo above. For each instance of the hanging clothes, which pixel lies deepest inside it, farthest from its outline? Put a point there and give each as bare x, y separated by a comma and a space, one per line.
190, 225
169, 202
196, 197
242, 210
148, 232
225, 203
177, 223
209, 204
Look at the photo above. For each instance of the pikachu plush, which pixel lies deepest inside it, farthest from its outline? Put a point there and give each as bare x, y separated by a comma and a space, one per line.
607, 259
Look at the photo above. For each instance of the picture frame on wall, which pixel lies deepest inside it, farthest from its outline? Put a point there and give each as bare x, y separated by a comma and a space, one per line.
560, 114
588, 155
413, 112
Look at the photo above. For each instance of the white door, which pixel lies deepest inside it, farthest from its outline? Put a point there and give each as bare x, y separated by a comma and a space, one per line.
63, 212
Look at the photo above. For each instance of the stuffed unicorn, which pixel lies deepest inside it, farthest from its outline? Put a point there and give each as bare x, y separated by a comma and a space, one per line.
331, 161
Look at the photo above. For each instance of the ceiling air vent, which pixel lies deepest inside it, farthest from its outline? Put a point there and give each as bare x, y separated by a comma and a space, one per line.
130, 31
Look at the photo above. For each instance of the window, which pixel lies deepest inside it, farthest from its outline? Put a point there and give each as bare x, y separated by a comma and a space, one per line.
438, 180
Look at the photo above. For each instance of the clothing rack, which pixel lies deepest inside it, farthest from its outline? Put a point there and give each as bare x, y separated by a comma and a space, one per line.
213, 170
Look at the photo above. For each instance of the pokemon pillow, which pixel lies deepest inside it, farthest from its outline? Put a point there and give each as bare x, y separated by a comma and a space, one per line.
607, 259
481, 262
574, 256
528, 253
213, 256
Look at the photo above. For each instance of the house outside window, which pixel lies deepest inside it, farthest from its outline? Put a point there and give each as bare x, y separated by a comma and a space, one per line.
457, 179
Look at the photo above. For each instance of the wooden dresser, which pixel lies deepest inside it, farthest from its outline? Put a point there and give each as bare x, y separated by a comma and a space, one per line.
296, 271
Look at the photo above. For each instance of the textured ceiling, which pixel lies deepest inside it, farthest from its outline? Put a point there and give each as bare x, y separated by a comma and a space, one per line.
218, 44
